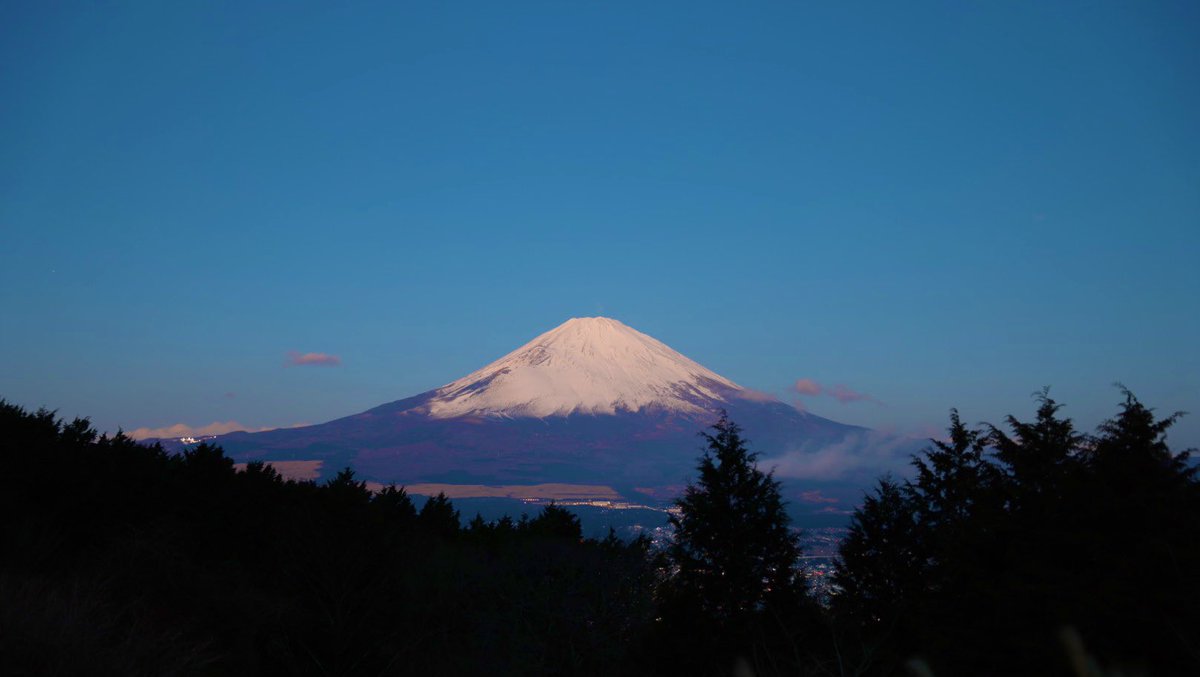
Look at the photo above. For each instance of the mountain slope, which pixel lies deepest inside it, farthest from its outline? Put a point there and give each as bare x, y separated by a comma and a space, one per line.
592, 365
592, 401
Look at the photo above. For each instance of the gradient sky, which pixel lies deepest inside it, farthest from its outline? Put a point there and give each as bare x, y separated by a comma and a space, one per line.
203, 205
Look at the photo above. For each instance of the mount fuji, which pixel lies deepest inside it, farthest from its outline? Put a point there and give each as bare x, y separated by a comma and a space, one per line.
591, 404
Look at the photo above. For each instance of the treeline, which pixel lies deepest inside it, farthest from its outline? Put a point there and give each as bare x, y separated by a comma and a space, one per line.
120, 559
1032, 549
1027, 549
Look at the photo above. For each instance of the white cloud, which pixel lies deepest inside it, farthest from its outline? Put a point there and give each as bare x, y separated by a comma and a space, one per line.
867, 453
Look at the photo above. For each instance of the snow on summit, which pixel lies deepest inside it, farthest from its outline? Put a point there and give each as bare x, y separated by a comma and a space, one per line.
588, 365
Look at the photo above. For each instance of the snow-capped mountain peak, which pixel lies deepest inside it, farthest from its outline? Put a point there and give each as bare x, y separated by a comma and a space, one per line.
587, 365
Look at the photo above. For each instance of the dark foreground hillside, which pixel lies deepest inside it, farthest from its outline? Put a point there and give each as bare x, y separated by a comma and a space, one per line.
119, 559
1029, 548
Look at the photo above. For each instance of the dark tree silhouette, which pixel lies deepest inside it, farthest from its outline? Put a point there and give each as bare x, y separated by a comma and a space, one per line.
395, 504
956, 500
733, 545
1019, 534
438, 517
952, 478
119, 558
347, 494
1039, 457
880, 568
731, 591
556, 522
1138, 587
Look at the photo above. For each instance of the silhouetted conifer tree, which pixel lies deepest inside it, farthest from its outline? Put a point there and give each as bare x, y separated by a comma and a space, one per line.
1140, 591
395, 506
556, 522
207, 462
880, 568
347, 495
733, 546
438, 517
1021, 533
119, 558
732, 589
1038, 457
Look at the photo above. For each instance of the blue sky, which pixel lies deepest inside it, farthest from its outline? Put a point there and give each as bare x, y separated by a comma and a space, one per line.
935, 204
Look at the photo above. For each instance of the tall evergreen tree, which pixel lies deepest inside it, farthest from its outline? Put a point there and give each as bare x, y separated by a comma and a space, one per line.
1140, 593
556, 522
1021, 533
880, 568
1131, 449
438, 517
395, 506
733, 548
956, 500
1040, 456
347, 494
951, 477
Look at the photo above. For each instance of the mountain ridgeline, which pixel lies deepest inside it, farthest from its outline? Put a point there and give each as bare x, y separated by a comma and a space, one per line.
592, 401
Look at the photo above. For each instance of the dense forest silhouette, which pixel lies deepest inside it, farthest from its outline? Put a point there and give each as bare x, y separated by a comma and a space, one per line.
1027, 548
1033, 548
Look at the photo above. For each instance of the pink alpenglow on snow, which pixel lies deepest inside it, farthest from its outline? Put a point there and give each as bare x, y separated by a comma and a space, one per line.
589, 365
185, 430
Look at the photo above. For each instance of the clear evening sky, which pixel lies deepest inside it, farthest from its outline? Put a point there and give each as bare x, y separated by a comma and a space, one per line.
948, 204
